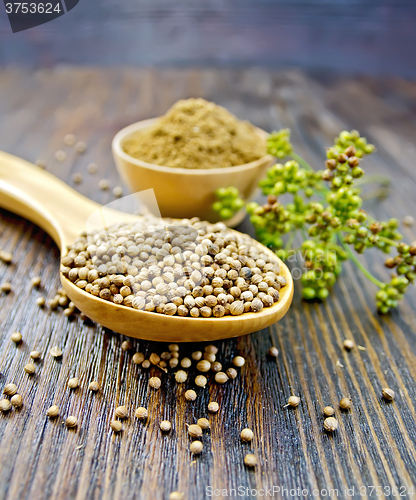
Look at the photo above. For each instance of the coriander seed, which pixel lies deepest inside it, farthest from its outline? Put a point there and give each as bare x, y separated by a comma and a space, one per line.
190, 395
5, 405
55, 352
221, 378
329, 411
71, 422
186, 363
155, 382
165, 426
92, 168
29, 368
201, 381
10, 389
173, 362
118, 191
104, 184
126, 345
53, 411
181, 376
330, 424
69, 139
196, 356
146, 364
209, 357
273, 352
293, 401
247, 435
35, 355
116, 425
16, 337
195, 431
138, 358
176, 495
40, 301
173, 347
154, 358
203, 423
348, 344
211, 349
73, 383
213, 407
121, 412
388, 394
345, 403
250, 460
60, 155
216, 367
239, 361
6, 257
80, 147
36, 281
141, 413
196, 447
94, 386
231, 373
203, 366
6, 287
17, 401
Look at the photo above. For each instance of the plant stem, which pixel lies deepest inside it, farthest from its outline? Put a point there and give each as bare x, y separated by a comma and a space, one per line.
358, 263
380, 179
290, 240
300, 160
389, 241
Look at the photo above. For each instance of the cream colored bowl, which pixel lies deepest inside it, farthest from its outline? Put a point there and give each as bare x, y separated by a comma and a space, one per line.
186, 193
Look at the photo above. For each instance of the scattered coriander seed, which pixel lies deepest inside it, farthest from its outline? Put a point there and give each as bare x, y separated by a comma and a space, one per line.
211, 349
181, 376
141, 413
55, 352
203, 366
348, 344
165, 426
176, 495
94, 386
71, 422
154, 358
5, 405
247, 435
232, 373
73, 383
239, 361
408, 220
345, 403
221, 378
29, 368
196, 356
146, 364
190, 395
60, 155
69, 139
330, 424
388, 394
116, 425
104, 184
6, 287
6, 257
216, 367
40, 163
175, 354
213, 407
36, 281
80, 147
155, 382
126, 345
361, 348
92, 168
293, 401
328, 411
10, 389
69, 312
273, 352
195, 431
17, 401
77, 178
121, 412
203, 423
53, 411
40, 301
250, 460
138, 358
118, 191
186, 363
173, 347
196, 447
173, 362
209, 357
201, 381
16, 337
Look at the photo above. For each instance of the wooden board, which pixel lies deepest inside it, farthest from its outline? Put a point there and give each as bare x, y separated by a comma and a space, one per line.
376, 442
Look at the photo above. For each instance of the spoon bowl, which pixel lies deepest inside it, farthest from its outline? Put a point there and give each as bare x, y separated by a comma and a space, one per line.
62, 212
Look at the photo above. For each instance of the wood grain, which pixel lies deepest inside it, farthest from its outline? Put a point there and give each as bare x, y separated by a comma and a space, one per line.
375, 443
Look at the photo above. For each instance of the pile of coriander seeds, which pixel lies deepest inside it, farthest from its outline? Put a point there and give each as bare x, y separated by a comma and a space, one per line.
193, 268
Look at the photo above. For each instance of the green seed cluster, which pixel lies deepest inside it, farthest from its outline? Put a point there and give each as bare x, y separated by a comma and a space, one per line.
328, 225
229, 202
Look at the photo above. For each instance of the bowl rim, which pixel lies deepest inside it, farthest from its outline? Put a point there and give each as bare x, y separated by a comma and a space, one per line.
134, 127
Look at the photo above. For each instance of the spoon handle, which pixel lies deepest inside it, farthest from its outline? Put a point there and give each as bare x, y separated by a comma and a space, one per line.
39, 196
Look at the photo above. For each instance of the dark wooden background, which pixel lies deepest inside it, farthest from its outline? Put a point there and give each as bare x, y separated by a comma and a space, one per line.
370, 36
376, 442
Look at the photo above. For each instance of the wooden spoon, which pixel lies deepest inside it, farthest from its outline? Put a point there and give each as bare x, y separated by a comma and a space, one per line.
62, 212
